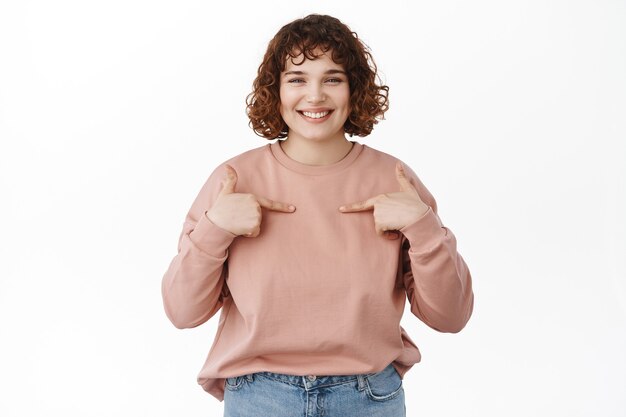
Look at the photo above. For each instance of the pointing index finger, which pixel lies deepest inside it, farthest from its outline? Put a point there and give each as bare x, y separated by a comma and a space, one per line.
274, 205
359, 206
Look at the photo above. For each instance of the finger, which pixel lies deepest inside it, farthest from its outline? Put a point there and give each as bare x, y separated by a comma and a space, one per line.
274, 205
253, 233
392, 234
388, 234
229, 180
402, 178
360, 206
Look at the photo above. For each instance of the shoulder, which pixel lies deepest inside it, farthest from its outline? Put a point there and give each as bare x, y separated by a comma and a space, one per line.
244, 161
386, 162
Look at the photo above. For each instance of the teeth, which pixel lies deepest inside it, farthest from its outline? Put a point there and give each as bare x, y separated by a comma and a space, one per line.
315, 115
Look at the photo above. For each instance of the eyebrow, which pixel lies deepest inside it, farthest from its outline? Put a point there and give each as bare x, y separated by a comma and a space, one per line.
330, 71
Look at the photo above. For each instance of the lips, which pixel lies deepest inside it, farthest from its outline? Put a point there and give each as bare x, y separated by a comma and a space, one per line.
330, 111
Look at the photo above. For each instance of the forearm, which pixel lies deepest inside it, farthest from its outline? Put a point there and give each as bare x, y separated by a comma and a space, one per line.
194, 280
436, 277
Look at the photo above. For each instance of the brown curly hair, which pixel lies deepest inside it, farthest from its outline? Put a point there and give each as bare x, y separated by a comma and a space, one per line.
368, 100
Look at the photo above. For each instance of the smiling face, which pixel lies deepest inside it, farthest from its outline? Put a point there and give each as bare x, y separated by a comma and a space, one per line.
315, 99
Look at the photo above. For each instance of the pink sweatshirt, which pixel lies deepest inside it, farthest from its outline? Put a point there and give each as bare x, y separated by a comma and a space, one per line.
318, 292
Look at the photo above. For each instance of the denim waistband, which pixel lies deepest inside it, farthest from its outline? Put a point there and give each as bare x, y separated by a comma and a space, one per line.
312, 381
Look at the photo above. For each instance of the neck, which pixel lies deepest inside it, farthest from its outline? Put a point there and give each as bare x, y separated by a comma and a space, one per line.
316, 152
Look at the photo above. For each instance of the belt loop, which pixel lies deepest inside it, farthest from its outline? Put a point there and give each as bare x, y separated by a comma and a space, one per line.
361, 381
249, 377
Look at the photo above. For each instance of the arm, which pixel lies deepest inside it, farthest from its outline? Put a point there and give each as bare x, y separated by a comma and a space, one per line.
436, 278
193, 287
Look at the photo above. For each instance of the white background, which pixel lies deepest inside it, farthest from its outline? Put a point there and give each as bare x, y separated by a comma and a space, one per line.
114, 113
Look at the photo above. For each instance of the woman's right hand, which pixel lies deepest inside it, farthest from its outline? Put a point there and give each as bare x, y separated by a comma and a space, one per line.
240, 213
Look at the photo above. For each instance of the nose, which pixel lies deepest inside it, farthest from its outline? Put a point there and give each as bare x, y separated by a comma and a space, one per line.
315, 95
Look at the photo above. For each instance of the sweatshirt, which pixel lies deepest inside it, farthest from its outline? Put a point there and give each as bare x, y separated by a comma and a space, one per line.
318, 291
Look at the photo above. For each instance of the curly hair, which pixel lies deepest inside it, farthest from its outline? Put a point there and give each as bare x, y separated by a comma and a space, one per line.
368, 100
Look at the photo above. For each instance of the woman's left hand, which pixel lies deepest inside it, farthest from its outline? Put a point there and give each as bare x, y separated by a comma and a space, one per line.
392, 211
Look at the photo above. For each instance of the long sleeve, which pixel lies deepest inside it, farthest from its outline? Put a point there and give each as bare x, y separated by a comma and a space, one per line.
193, 287
316, 282
436, 278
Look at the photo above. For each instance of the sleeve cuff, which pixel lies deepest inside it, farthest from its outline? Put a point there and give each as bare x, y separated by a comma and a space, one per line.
211, 238
425, 232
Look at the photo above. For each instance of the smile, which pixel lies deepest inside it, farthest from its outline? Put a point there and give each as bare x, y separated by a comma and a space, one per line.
321, 116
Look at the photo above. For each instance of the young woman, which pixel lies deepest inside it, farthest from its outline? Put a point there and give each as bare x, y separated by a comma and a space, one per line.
311, 245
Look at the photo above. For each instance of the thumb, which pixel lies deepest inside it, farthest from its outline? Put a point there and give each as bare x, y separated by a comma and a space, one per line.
405, 184
229, 180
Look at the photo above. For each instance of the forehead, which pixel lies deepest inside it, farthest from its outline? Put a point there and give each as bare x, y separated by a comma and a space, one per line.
323, 61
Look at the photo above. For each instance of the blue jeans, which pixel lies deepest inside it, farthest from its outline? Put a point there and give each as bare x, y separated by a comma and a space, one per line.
268, 394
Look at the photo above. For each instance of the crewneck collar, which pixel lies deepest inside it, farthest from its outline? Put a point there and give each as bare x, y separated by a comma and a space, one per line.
301, 168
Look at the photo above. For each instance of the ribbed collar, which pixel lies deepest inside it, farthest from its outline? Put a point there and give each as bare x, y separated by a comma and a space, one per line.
280, 155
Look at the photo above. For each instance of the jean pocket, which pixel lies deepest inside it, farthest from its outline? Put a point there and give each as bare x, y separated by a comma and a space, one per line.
234, 383
384, 385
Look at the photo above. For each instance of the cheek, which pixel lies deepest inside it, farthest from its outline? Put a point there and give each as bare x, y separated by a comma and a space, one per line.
282, 106
286, 98
343, 96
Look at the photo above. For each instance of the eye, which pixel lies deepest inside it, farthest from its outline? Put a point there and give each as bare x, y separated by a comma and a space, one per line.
293, 80
335, 80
